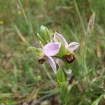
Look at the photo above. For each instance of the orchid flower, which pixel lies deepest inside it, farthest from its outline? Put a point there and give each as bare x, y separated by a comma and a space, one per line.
68, 48
67, 51
47, 52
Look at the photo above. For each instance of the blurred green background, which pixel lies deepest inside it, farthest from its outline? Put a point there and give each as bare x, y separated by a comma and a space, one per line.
22, 79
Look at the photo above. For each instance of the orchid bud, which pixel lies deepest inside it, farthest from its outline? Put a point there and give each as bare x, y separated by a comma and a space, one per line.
45, 35
61, 77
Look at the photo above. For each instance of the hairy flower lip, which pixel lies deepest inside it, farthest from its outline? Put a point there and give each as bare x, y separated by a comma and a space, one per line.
69, 58
42, 60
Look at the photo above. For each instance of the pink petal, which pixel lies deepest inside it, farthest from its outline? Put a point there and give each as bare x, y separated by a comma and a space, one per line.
73, 46
52, 63
61, 37
51, 49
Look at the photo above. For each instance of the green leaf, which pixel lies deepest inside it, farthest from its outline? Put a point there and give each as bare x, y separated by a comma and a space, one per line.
95, 102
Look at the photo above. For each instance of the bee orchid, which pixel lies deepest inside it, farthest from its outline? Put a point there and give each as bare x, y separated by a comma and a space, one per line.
46, 53
68, 48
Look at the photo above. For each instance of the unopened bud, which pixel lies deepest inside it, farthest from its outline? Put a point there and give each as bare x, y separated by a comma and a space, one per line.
45, 35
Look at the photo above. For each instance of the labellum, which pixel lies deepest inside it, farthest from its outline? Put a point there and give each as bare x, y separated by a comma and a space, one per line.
42, 60
69, 58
